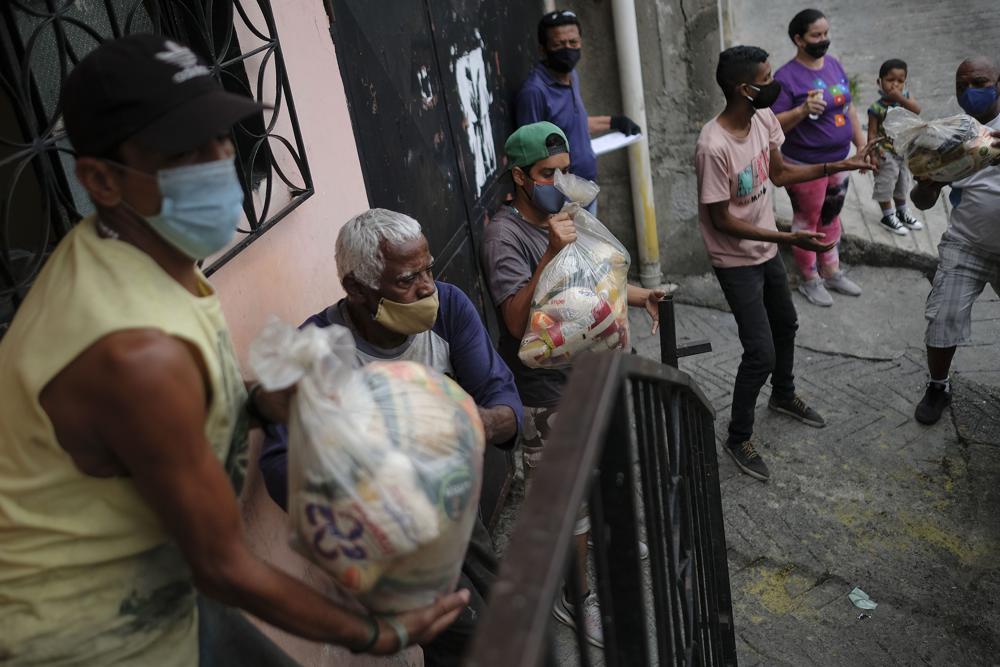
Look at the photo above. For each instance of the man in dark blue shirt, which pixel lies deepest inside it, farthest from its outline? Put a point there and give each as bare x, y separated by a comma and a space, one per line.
396, 311
552, 92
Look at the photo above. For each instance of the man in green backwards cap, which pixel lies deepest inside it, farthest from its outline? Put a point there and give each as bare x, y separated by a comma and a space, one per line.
520, 241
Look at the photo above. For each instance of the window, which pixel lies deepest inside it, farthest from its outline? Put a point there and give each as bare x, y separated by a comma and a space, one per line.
41, 41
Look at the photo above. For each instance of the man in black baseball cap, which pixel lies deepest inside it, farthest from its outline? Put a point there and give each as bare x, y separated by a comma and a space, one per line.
552, 93
123, 406
150, 90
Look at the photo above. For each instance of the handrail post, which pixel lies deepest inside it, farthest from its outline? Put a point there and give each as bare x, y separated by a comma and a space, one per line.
668, 332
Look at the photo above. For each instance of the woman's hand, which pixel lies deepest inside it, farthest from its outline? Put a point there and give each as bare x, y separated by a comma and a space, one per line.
814, 105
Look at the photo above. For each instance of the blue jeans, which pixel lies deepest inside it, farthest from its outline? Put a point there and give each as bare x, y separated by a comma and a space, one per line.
762, 305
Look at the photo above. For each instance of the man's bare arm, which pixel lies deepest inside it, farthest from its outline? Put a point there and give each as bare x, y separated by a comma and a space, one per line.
149, 408
499, 424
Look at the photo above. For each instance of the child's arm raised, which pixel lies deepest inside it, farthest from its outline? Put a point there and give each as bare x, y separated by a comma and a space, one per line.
896, 95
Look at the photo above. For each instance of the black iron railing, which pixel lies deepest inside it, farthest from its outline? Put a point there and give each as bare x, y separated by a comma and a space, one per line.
40, 43
636, 438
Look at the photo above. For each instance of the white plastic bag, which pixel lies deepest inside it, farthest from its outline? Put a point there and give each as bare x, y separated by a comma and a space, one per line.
945, 150
384, 465
580, 302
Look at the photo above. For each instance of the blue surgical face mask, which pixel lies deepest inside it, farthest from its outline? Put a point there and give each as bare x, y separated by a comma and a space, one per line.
546, 197
978, 101
200, 209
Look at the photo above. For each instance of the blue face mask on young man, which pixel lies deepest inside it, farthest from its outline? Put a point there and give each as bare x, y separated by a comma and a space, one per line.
978, 101
201, 207
545, 196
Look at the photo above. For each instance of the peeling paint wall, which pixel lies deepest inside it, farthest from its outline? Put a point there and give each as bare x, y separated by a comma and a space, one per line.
679, 45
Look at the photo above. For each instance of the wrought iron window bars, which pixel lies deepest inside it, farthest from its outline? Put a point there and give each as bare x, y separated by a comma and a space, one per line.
40, 42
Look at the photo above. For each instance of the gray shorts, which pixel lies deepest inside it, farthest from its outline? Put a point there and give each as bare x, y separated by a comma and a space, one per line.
892, 180
960, 279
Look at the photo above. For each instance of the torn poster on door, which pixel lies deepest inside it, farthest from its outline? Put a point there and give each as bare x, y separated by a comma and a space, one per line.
475, 98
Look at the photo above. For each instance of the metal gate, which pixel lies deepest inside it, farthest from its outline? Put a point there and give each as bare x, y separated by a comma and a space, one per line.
431, 84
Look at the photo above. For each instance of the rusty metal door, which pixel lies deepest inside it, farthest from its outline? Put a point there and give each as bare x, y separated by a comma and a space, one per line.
431, 84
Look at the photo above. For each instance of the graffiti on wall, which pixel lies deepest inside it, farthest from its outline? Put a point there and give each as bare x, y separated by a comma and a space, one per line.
475, 98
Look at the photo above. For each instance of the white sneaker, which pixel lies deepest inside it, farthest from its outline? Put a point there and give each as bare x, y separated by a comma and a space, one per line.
908, 220
838, 282
564, 612
892, 223
643, 549
814, 291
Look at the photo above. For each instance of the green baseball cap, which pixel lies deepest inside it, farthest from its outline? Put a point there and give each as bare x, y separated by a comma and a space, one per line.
527, 145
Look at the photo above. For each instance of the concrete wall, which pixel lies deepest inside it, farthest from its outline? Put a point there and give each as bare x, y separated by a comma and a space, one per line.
289, 272
679, 44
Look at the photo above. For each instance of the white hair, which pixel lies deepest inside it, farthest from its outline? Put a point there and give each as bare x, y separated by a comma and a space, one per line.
359, 243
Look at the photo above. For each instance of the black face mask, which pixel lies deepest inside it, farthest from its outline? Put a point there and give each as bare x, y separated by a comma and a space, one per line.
766, 95
817, 49
563, 60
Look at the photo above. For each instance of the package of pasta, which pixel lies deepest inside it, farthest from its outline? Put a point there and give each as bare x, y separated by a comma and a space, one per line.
580, 303
384, 465
945, 150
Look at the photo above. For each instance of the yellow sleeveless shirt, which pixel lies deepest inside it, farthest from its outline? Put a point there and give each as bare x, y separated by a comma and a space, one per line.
88, 574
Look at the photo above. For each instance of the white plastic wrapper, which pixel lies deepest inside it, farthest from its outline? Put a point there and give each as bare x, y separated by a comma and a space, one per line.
942, 150
580, 302
384, 465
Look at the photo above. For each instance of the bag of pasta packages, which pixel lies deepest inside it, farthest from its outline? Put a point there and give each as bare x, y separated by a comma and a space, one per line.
944, 150
580, 303
384, 465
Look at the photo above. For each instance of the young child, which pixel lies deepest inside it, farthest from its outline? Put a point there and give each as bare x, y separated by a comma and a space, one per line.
892, 180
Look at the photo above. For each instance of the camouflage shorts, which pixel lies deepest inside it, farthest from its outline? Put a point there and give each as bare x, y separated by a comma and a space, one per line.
535, 433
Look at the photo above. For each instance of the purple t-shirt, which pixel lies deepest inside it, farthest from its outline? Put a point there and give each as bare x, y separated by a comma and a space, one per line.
828, 138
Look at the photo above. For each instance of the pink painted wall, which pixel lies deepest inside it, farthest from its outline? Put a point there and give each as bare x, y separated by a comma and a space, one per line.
290, 272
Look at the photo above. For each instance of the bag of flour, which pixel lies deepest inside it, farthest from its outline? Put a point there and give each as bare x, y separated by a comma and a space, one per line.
384, 465
945, 150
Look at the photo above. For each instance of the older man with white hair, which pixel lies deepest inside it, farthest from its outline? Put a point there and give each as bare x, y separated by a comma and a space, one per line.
398, 312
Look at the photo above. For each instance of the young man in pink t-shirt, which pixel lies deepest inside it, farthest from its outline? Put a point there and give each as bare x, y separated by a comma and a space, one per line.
738, 159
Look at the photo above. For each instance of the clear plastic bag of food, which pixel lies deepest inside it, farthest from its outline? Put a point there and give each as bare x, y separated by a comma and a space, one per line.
945, 150
384, 465
580, 303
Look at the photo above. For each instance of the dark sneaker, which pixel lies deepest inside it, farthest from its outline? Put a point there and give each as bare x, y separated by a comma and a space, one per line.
799, 410
908, 220
936, 398
892, 223
748, 460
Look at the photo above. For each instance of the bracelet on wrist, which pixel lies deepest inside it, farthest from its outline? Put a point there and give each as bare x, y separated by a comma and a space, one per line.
826, 168
402, 635
373, 630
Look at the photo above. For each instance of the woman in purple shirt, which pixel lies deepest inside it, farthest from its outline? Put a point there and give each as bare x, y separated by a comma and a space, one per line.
820, 123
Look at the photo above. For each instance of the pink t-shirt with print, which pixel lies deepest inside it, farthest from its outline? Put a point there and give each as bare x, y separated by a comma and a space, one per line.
735, 169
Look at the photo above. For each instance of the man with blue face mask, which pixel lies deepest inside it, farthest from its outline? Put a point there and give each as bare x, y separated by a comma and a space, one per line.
520, 241
123, 408
969, 251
